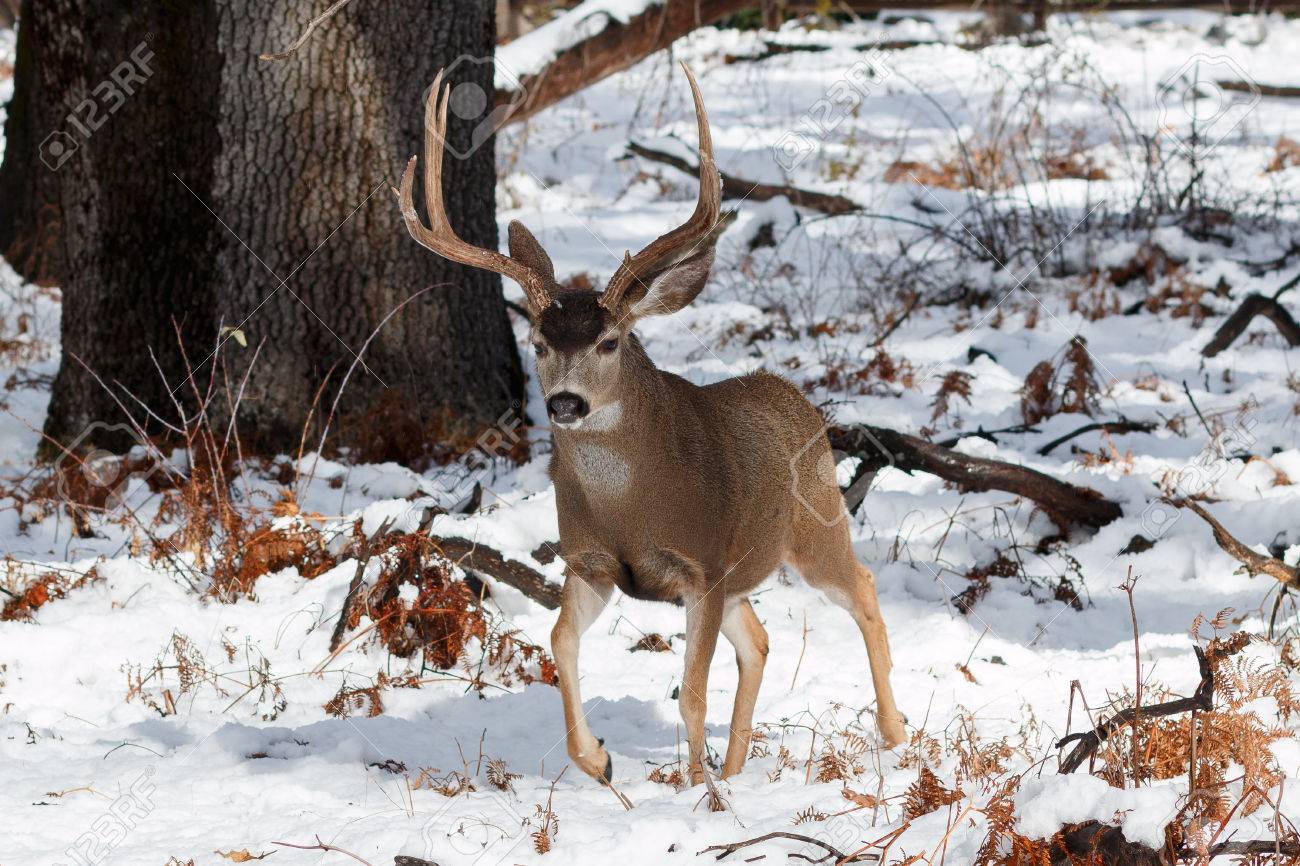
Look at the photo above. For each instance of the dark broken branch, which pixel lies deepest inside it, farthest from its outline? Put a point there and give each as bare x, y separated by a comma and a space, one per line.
1065, 503
340, 627
480, 558
734, 187
1254, 305
1256, 563
989, 435
1090, 741
1123, 425
1256, 847
615, 48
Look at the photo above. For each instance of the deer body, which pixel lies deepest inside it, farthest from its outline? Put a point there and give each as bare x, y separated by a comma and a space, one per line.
666, 490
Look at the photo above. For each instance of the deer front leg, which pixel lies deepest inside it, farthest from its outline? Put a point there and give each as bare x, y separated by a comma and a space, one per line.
703, 620
743, 631
581, 602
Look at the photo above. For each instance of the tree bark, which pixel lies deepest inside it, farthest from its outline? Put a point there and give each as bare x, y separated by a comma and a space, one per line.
233, 192
29, 221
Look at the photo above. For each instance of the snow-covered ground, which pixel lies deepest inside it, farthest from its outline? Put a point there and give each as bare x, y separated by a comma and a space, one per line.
90, 772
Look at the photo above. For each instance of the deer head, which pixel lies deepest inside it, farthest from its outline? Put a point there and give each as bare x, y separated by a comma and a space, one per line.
583, 340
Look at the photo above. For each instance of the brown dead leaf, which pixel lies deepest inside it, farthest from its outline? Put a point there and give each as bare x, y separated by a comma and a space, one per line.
965, 671
243, 855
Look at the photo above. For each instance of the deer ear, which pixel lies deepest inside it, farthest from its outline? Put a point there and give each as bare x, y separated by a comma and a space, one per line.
525, 249
675, 287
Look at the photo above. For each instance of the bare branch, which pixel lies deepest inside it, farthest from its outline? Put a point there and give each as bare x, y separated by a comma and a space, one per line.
1251, 307
306, 34
1256, 563
736, 187
321, 846
880, 447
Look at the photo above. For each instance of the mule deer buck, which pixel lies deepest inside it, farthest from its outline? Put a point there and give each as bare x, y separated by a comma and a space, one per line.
666, 490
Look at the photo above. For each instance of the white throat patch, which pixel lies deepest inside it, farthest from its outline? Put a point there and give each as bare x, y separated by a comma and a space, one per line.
600, 469
605, 418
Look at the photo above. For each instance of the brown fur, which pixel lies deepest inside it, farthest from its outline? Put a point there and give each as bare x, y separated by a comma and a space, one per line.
666, 490
698, 494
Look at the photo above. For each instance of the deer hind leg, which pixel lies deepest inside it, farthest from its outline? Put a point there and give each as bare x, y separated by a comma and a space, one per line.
741, 628
703, 621
829, 564
581, 602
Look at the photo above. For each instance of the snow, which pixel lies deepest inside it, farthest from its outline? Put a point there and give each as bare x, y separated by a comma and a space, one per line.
530, 53
1049, 803
87, 769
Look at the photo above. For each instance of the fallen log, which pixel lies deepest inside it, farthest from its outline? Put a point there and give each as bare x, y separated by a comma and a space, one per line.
1262, 89
1104, 845
1254, 305
473, 556
614, 48
734, 187
1256, 563
1064, 503
1099, 844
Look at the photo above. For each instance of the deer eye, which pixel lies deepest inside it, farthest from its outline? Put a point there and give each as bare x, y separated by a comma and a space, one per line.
607, 346
540, 349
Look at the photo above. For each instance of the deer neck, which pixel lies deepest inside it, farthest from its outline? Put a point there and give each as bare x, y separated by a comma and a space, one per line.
603, 453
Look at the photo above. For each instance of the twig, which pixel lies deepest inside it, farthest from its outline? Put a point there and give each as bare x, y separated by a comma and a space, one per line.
732, 847
1123, 425
306, 34
321, 846
1197, 409
802, 650
989, 435
1129, 584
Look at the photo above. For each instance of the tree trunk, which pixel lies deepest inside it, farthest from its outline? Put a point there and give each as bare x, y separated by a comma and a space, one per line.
29, 220
229, 192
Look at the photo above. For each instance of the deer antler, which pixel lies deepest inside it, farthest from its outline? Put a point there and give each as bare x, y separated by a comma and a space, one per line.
439, 235
681, 242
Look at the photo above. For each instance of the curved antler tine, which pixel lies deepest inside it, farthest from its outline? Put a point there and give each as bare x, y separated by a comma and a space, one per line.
710, 180
680, 242
435, 137
439, 236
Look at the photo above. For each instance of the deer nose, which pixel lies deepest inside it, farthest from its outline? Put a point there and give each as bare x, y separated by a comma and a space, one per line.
566, 407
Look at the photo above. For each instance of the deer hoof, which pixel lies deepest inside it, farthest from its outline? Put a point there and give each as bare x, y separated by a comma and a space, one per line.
608, 775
